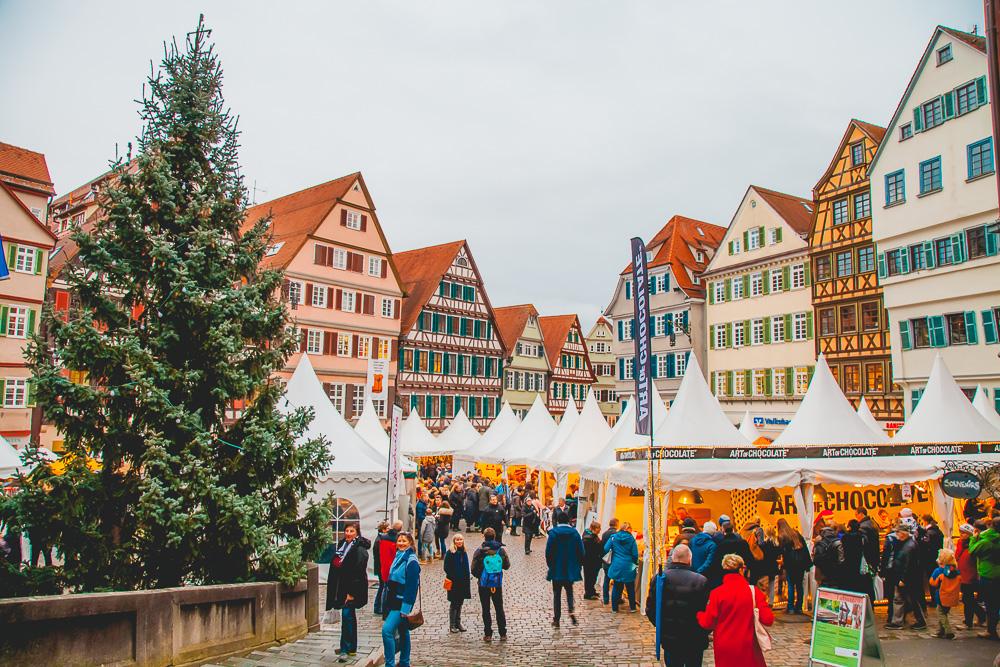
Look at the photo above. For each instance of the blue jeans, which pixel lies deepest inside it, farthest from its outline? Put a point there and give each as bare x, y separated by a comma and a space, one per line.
378, 597
348, 630
396, 633
794, 591
616, 594
607, 586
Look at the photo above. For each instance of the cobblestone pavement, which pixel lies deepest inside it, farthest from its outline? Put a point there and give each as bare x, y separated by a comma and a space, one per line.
602, 639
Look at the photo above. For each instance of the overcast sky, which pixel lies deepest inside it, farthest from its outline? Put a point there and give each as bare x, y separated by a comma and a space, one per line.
544, 132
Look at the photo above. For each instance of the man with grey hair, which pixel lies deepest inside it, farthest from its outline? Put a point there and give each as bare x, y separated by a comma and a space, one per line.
684, 593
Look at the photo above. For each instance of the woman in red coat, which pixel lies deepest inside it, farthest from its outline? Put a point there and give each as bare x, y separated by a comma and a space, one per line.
730, 614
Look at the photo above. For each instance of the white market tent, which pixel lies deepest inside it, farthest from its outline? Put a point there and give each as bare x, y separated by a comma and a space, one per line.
528, 438
981, 403
588, 435
566, 424
370, 428
748, 429
415, 439
623, 436
944, 414
503, 425
10, 460
695, 418
460, 434
867, 417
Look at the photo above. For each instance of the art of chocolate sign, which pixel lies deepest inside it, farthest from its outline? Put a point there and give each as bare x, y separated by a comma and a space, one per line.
817, 452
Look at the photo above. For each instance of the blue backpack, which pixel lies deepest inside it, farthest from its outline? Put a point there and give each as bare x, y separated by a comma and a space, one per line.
492, 576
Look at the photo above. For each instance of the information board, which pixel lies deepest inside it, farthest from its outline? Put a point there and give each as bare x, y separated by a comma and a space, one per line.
843, 632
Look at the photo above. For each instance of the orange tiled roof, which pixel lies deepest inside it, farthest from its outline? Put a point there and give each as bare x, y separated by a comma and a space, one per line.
672, 245
25, 165
511, 321
296, 216
975, 41
796, 211
555, 328
420, 273
876, 132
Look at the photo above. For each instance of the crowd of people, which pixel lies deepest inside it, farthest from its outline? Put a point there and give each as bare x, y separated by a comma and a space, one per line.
719, 578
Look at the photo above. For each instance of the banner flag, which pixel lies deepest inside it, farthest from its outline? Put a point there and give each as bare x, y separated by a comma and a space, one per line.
4, 271
642, 367
393, 481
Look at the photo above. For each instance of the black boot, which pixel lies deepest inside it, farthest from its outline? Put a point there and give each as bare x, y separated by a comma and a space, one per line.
453, 624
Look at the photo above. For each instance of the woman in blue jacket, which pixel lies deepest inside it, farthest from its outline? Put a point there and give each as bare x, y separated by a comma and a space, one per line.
622, 571
400, 596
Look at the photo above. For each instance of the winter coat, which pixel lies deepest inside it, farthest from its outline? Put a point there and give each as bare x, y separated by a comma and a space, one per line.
852, 578
383, 553
421, 510
530, 521
605, 536
949, 584
471, 502
443, 522
492, 517
427, 529
931, 541
403, 583
731, 543
456, 568
456, 499
702, 552
986, 548
768, 565
730, 615
349, 576
828, 556
592, 551
685, 593
624, 556
484, 496
560, 515
563, 554
516, 507
488, 548
905, 564
870, 535
966, 562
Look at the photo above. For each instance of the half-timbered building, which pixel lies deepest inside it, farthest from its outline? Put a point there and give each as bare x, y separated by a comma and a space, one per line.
451, 355
572, 373
851, 327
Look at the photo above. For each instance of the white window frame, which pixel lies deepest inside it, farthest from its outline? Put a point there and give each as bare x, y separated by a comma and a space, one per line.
756, 284
314, 341
680, 364
15, 394
24, 260
319, 296
757, 331
343, 344
388, 308
529, 381
759, 375
739, 383
778, 329
295, 291
753, 240
17, 322
661, 366
628, 369
348, 301
799, 332
521, 381
777, 281
772, 236
659, 326
720, 336
627, 329
340, 259
737, 246
510, 381
801, 380
778, 381
739, 335
358, 402
720, 291
375, 266
736, 288
364, 347
353, 220
384, 348
798, 276
720, 383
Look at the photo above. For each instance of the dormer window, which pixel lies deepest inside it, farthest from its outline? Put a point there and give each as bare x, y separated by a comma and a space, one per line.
699, 256
944, 55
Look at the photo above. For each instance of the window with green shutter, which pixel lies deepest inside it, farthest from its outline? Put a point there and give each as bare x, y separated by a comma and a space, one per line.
729, 288
766, 280
729, 334
915, 398
789, 381
905, 341
671, 366
809, 325
989, 326
971, 330
4, 312
935, 326
729, 383
767, 330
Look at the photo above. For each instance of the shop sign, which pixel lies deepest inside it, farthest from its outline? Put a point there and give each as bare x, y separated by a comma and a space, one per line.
961, 484
871, 499
892, 426
817, 452
843, 631
771, 421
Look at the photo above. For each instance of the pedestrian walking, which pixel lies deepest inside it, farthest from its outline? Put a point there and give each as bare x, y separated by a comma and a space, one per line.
428, 529
456, 500
730, 616
622, 569
401, 596
492, 517
483, 494
488, 563
471, 504
347, 586
605, 537
765, 572
796, 561
530, 521
906, 570
684, 594
855, 574
972, 607
457, 581
564, 556
945, 579
593, 556
985, 546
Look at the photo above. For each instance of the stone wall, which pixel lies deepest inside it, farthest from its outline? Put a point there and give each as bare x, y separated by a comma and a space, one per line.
170, 626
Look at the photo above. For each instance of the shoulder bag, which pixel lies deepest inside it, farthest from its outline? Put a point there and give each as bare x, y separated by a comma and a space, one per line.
416, 618
763, 638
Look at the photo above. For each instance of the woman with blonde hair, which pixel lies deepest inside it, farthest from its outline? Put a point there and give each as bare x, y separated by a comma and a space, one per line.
730, 615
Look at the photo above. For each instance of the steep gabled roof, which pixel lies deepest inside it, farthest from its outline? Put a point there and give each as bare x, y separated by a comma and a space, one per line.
20, 166
874, 132
974, 41
27, 211
420, 273
796, 211
555, 328
511, 321
295, 217
672, 245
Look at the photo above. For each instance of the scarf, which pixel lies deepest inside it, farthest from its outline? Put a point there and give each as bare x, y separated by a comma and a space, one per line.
342, 550
397, 572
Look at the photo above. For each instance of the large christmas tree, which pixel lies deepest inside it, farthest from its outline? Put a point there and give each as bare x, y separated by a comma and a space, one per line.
173, 320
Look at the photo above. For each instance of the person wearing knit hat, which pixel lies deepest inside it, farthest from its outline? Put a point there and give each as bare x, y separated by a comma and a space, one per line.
973, 608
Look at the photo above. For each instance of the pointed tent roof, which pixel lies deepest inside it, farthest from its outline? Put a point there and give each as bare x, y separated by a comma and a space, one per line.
944, 414
354, 457
370, 428
499, 429
415, 439
868, 418
584, 441
566, 424
695, 418
623, 436
825, 416
527, 439
748, 429
981, 403
10, 460
459, 435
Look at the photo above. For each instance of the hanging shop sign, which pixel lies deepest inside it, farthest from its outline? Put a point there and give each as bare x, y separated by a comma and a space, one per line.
771, 421
817, 452
961, 484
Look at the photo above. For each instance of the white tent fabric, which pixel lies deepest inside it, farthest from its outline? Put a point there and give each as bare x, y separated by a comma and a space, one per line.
748, 429
623, 436
825, 417
460, 434
867, 417
563, 429
944, 414
528, 438
354, 458
415, 439
981, 403
695, 418
584, 441
370, 428
10, 460
503, 425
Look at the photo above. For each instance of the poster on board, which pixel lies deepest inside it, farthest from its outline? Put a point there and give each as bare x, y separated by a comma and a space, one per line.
843, 631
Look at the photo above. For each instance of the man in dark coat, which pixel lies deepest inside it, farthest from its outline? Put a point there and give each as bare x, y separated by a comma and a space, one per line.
564, 556
605, 536
593, 559
685, 593
493, 517
471, 508
456, 499
530, 521
869, 533
483, 498
347, 585
905, 568
730, 543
